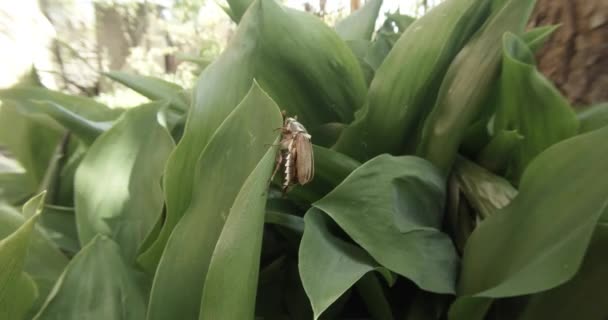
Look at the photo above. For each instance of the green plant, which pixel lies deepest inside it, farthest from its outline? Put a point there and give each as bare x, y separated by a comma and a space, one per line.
453, 181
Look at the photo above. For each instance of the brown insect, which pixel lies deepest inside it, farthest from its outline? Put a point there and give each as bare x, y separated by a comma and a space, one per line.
295, 154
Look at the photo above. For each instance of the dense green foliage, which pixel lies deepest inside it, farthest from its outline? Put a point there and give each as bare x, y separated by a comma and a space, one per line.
453, 181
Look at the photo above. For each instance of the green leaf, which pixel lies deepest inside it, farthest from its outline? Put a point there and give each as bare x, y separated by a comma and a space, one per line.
15, 187
593, 118
410, 74
531, 105
469, 309
97, 284
238, 250
289, 221
583, 296
360, 24
536, 38
364, 205
328, 265
316, 78
485, 191
31, 144
118, 190
499, 262
228, 11
413, 199
44, 262
467, 83
82, 106
59, 224
234, 151
31, 138
360, 49
68, 162
386, 37
18, 291
84, 129
237, 9
152, 88
496, 154
332, 166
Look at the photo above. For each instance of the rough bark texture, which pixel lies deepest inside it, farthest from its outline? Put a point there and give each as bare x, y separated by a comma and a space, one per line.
575, 58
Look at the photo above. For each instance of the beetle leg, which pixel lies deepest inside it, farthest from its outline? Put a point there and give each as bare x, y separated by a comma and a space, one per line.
278, 165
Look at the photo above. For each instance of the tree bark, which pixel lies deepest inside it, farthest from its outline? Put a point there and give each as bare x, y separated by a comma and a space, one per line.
575, 58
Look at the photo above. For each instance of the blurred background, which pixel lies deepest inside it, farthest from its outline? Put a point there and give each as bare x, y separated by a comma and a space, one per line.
71, 43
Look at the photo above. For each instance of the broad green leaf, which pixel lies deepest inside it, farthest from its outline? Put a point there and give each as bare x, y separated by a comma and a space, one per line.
328, 265
117, 185
64, 193
374, 297
496, 154
360, 48
469, 309
18, 291
84, 129
59, 225
237, 9
466, 84
583, 297
386, 37
291, 222
531, 105
536, 242
44, 262
234, 151
326, 135
82, 106
30, 143
410, 75
315, 78
238, 249
536, 38
476, 137
152, 88
365, 205
15, 187
460, 218
32, 138
413, 199
228, 11
485, 191
97, 284
593, 118
360, 24
332, 166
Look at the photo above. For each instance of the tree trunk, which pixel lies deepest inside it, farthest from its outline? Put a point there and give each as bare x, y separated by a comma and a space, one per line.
575, 58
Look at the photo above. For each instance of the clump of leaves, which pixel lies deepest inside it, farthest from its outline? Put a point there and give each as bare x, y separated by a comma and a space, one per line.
453, 181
